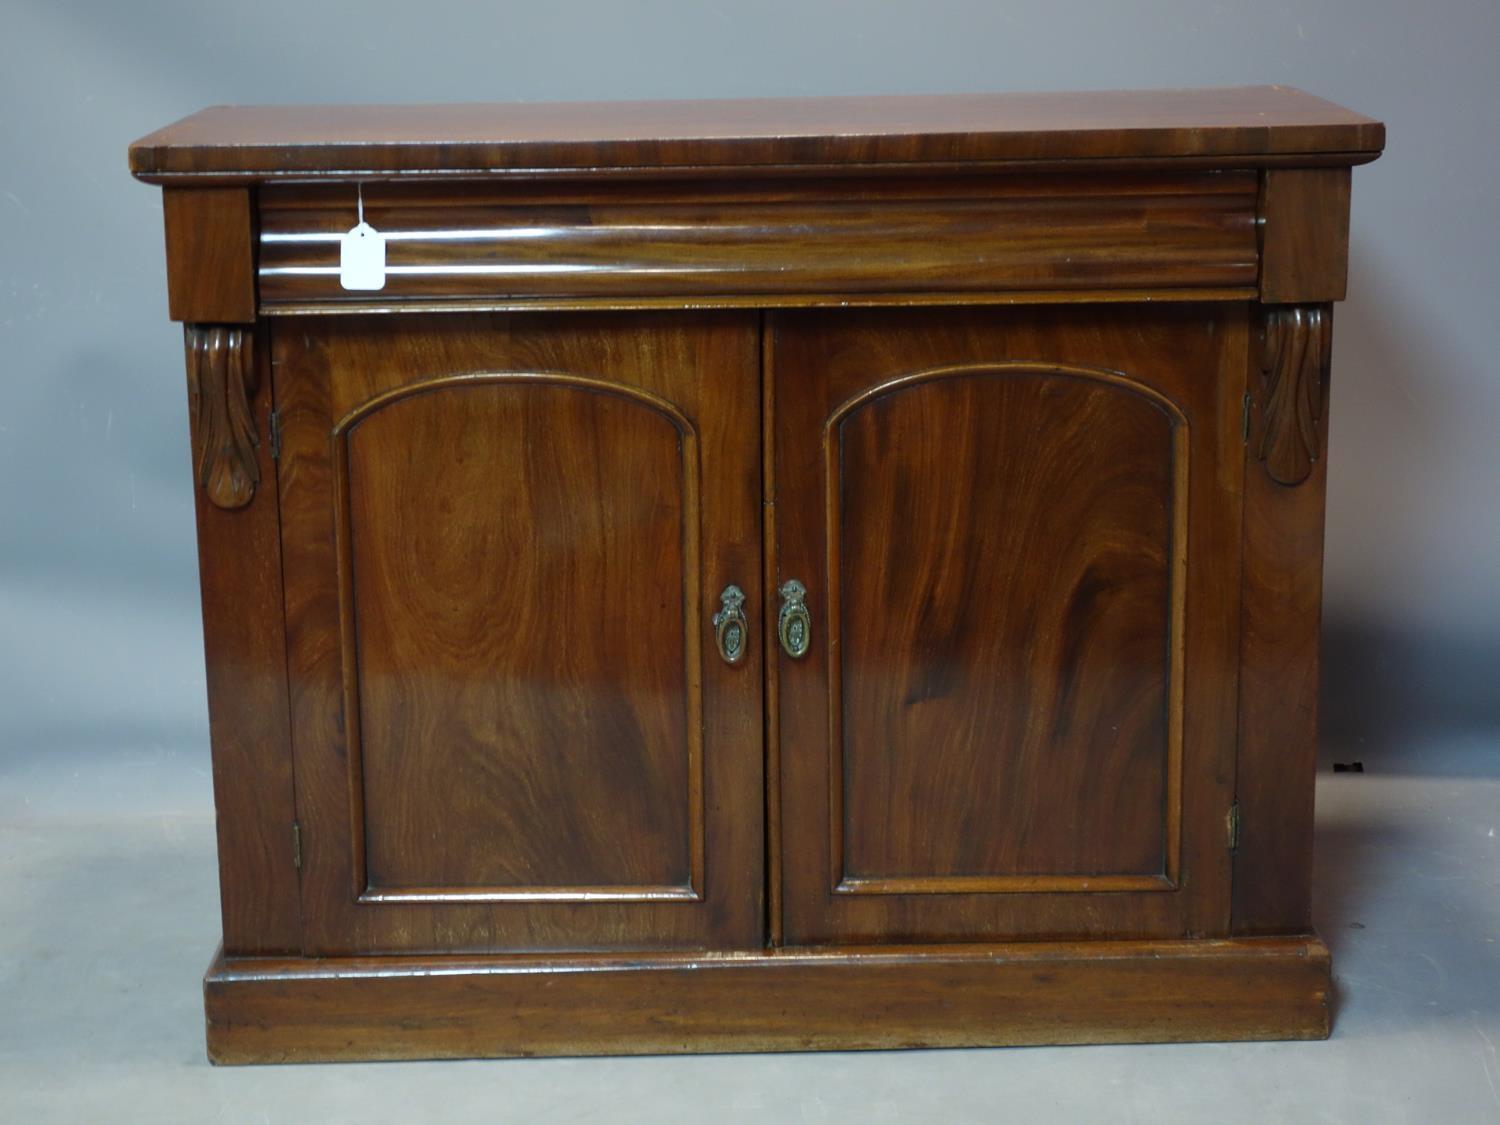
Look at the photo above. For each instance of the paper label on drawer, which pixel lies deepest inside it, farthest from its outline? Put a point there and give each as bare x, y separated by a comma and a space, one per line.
362, 258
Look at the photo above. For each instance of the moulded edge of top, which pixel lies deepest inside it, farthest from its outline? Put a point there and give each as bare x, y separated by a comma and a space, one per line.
1235, 125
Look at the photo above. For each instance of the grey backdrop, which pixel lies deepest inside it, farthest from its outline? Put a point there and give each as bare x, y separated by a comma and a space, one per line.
100, 645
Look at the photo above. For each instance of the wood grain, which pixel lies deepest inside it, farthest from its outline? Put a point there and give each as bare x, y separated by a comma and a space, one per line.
1246, 124
249, 727
757, 301
1054, 233
775, 844
1008, 754
1279, 668
1296, 352
222, 380
211, 240
1030, 393
995, 703
524, 670
794, 1000
506, 538
1304, 234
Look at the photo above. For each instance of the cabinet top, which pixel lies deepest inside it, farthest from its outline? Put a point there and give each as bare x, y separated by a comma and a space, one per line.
1244, 126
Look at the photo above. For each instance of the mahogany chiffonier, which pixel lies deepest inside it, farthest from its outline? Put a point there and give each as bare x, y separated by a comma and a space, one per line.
761, 575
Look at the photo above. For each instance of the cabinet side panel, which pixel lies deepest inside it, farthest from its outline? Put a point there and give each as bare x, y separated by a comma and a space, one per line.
239, 560
1279, 636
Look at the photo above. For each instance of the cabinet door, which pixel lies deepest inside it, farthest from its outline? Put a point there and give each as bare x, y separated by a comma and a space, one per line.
1018, 530
504, 541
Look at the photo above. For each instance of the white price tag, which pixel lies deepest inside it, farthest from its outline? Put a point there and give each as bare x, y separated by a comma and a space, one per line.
362, 258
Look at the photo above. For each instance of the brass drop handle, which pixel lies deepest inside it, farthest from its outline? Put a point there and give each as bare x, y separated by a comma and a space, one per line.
793, 623
731, 630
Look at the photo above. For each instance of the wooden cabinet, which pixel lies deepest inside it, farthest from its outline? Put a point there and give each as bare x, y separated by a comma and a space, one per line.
772, 575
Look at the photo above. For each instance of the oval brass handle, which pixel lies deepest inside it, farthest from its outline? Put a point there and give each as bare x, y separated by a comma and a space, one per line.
731, 630
793, 623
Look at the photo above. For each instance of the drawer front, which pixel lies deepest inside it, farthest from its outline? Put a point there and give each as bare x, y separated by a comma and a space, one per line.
505, 539
756, 243
1018, 533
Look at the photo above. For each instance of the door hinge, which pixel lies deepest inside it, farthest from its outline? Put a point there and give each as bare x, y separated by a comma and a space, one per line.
296, 845
1245, 418
1232, 826
275, 428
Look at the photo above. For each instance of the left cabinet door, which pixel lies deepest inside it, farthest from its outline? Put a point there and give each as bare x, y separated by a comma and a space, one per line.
504, 541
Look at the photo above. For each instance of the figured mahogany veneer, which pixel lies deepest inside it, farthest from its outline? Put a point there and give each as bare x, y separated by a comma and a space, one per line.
767, 575
870, 237
503, 695
1051, 732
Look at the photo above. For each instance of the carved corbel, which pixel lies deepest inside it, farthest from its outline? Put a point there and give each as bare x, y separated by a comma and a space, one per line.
1294, 377
222, 381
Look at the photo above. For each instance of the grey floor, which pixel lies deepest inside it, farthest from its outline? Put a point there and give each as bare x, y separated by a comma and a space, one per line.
108, 915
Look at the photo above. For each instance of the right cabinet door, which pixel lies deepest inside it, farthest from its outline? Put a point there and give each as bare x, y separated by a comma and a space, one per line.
1018, 534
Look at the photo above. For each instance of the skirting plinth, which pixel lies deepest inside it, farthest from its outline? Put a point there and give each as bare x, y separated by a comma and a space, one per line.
847, 998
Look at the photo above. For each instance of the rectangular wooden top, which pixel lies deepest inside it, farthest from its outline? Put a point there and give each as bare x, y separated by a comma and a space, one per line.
1246, 126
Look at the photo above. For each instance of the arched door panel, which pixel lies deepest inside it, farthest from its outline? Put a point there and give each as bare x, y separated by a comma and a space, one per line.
512, 729
1017, 530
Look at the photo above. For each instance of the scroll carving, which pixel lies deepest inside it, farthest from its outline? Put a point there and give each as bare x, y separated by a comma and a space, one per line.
222, 380
1294, 369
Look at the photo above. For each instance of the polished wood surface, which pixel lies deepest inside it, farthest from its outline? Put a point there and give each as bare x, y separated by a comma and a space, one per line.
505, 541
249, 725
1019, 531
1059, 233
1248, 123
1304, 219
1296, 348
898, 299
791, 1000
1007, 643
210, 235
1281, 602
548, 705
1014, 406
222, 380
